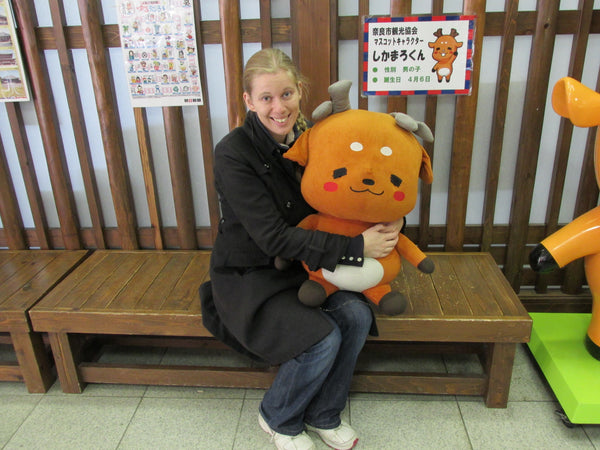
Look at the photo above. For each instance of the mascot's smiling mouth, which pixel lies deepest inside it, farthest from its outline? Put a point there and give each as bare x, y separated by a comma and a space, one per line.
366, 190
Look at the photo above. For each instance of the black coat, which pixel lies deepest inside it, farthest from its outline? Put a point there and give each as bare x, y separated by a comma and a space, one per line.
255, 307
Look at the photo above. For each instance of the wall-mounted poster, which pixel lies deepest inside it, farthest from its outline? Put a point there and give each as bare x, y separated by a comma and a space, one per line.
158, 38
13, 82
418, 55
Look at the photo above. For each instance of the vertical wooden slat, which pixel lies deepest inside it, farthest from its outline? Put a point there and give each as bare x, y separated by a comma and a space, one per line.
32, 188
81, 139
141, 126
49, 127
462, 142
9, 207
231, 42
206, 135
110, 127
363, 10
333, 48
437, 8
565, 133
180, 177
312, 48
529, 141
398, 8
266, 37
499, 119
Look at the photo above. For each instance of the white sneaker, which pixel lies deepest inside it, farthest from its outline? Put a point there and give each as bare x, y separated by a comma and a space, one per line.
301, 441
341, 438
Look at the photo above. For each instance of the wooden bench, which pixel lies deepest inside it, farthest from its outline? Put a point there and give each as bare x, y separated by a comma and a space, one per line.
25, 277
466, 304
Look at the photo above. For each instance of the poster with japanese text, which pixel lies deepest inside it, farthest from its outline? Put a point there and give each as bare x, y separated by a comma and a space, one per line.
13, 82
418, 55
158, 38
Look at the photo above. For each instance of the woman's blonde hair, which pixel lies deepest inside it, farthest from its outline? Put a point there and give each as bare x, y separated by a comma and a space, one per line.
272, 60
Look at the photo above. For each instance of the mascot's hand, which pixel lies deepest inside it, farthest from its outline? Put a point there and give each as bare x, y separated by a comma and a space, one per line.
541, 260
426, 266
282, 263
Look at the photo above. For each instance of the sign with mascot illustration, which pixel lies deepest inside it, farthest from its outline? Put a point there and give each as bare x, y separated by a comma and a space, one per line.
418, 55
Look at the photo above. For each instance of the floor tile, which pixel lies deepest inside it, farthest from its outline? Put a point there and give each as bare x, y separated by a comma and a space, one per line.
169, 423
530, 425
15, 410
408, 424
75, 422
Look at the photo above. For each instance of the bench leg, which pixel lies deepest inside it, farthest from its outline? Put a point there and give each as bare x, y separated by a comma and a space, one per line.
66, 365
35, 365
499, 366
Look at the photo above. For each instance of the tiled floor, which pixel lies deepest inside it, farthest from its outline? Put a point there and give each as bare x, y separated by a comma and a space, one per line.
140, 417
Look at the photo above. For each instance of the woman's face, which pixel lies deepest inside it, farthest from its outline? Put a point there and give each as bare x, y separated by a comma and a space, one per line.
275, 99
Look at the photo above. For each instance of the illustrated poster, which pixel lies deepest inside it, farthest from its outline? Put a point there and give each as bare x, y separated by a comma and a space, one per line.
13, 82
158, 38
418, 55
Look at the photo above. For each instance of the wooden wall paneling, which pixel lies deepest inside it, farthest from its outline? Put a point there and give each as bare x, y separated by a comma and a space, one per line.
431, 101
32, 188
363, 10
9, 207
498, 122
180, 177
77, 120
231, 42
565, 133
529, 141
398, 8
48, 124
110, 126
266, 39
462, 142
312, 48
143, 135
207, 141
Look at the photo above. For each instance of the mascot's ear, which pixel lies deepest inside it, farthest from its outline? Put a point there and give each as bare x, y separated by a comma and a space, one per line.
426, 172
299, 151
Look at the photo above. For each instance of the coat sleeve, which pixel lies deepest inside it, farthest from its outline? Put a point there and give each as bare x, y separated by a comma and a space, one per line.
248, 196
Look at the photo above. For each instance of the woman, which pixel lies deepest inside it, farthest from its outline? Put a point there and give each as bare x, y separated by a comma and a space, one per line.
253, 306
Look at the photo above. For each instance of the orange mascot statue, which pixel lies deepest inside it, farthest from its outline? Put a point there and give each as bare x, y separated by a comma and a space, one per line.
361, 168
581, 237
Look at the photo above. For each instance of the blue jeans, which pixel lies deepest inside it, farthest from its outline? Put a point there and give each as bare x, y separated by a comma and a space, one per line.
313, 387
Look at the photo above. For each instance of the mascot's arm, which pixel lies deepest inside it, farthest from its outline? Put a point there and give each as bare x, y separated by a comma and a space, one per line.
413, 254
309, 222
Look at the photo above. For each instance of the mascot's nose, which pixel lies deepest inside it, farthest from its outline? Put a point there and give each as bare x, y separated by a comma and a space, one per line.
368, 181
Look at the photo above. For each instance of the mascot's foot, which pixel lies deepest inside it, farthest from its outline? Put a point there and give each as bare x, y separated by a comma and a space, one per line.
392, 303
312, 294
426, 266
592, 348
541, 260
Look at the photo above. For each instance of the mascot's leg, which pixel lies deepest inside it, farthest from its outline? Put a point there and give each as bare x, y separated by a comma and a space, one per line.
389, 302
592, 273
315, 290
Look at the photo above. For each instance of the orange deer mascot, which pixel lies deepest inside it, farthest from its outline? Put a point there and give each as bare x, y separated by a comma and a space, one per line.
444, 52
361, 168
581, 237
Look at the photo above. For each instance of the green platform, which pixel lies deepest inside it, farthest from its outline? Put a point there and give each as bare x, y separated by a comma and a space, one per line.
557, 343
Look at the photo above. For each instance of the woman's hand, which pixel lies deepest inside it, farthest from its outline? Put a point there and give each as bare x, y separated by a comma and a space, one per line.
380, 239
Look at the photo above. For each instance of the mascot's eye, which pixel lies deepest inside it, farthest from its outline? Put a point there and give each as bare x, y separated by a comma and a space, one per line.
338, 173
385, 151
356, 146
396, 181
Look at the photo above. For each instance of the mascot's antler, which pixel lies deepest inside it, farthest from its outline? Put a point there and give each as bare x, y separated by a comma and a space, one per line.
340, 101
